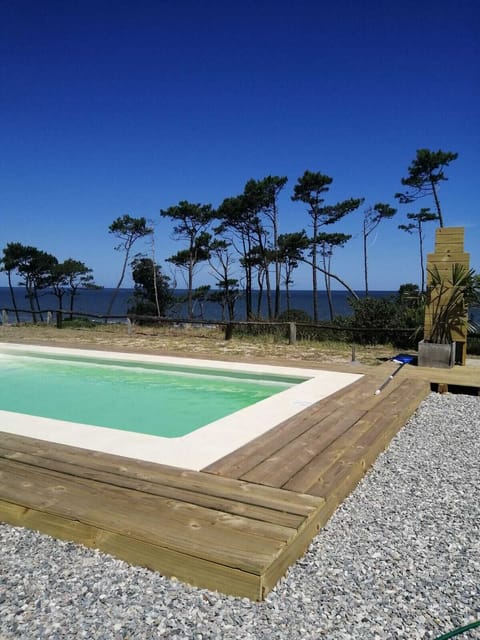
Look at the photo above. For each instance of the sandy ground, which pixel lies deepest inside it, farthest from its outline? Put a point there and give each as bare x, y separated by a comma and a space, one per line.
196, 342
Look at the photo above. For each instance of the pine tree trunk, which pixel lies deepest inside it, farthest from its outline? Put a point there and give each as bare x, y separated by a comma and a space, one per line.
365, 265
422, 266
314, 271
437, 202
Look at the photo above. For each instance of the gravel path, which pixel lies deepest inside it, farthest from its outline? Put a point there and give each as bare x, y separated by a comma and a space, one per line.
399, 559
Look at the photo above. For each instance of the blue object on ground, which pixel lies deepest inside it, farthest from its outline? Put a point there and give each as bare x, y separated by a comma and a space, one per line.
402, 359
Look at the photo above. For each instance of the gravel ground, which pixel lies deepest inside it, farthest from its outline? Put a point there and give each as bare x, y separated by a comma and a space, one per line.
399, 559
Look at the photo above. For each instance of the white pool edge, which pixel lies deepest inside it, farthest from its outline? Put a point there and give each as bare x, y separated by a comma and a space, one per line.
195, 450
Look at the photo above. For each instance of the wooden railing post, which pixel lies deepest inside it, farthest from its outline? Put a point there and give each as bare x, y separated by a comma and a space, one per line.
229, 331
292, 333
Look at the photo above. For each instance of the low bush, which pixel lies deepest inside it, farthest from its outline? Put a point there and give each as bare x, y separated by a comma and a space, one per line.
294, 315
473, 344
383, 321
78, 323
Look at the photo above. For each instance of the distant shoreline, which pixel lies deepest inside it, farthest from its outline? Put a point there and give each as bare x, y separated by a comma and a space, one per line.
96, 301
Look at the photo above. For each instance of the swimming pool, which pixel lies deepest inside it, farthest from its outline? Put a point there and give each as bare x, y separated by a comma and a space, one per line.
166, 400
215, 433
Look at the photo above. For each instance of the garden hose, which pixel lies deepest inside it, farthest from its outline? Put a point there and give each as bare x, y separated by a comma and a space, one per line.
456, 632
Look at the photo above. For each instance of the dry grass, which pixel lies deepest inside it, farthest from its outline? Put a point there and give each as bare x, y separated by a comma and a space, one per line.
194, 342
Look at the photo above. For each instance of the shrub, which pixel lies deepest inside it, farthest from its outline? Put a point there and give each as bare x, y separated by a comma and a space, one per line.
78, 323
473, 344
275, 332
294, 315
382, 321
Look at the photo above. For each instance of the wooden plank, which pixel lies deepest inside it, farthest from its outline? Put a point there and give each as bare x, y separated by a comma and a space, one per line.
241, 461
325, 460
226, 505
168, 562
444, 266
453, 242
340, 448
230, 540
439, 231
277, 469
294, 549
247, 458
238, 463
449, 252
449, 234
340, 486
347, 471
376, 439
460, 334
150, 508
205, 483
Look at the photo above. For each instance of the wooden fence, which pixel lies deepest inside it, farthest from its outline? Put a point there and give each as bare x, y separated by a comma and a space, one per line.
288, 330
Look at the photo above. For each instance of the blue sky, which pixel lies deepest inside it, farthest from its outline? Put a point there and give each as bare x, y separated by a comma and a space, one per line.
118, 107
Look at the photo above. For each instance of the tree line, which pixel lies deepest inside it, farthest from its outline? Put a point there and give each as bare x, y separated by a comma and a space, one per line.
242, 242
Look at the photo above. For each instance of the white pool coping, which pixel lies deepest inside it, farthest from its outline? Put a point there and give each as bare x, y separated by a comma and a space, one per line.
195, 450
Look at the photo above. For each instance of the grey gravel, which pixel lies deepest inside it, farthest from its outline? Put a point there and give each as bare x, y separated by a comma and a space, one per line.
399, 559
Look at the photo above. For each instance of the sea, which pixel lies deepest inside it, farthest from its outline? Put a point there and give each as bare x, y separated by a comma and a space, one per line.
95, 302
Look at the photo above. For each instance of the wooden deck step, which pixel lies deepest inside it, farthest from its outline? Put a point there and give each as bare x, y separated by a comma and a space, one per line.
229, 536
149, 477
376, 426
369, 437
285, 462
335, 445
244, 459
330, 441
286, 448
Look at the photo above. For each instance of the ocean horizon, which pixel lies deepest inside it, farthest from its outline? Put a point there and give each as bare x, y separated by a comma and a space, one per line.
95, 302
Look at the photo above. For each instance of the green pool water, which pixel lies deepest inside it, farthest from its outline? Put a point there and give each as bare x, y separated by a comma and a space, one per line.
168, 401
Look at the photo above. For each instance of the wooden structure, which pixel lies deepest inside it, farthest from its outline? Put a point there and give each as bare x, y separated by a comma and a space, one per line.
235, 526
449, 250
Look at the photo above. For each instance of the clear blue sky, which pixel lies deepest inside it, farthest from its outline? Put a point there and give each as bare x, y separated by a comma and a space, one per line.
121, 107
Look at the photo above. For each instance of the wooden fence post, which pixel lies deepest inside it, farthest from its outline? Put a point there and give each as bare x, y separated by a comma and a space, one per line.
229, 331
292, 333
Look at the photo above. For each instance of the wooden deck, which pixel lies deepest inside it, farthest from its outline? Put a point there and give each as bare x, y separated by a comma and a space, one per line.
240, 523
